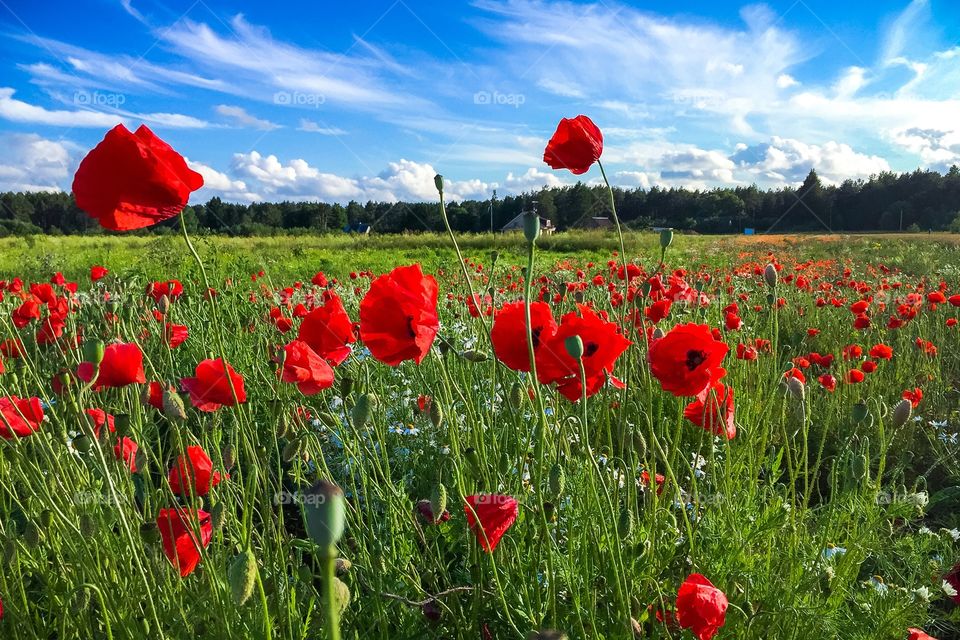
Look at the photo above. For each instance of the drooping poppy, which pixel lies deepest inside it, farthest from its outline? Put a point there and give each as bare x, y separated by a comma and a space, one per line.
133, 180
122, 365
180, 542
19, 417
175, 334
193, 473
509, 332
328, 330
100, 419
126, 450
305, 368
602, 345
576, 145
398, 315
713, 410
495, 513
701, 607
211, 388
687, 359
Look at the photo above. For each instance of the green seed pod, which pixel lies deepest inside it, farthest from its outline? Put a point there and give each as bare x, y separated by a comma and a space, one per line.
341, 595
88, 525
574, 345
283, 427
10, 552
438, 183
531, 226
150, 532
771, 299
324, 510
31, 535
46, 518
122, 423
173, 407
82, 443
229, 457
860, 411
346, 386
516, 395
218, 515
625, 524
558, 480
362, 410
93, 352
771, 276
438, 500
666, 238
291, 450
328, 420
859, 467
305, 574
436, 413
242, 575
473, 459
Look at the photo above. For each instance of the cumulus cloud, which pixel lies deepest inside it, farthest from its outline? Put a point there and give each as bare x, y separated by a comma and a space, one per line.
787, 161
33, 163
939, 150
220, 184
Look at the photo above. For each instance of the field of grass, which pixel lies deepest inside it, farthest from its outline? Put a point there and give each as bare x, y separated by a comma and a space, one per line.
832, 512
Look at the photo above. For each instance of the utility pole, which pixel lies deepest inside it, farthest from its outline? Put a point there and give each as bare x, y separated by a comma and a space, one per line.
492, 200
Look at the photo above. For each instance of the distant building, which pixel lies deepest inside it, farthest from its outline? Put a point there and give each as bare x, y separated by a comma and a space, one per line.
546, 226
357, 227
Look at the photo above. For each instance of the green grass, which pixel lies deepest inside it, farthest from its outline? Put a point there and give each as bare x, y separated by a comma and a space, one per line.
759, 517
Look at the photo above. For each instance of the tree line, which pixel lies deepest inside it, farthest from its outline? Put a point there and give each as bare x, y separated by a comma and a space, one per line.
918, 200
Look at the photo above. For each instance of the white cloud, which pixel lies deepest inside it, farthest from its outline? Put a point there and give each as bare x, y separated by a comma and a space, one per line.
313, 127
531, 180
787, 161
219, 184
241, 117
939, 150
785, 81
33, 163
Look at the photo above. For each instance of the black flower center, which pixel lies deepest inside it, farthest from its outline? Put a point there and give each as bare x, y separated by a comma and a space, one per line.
590, 349
536, 336
695, 359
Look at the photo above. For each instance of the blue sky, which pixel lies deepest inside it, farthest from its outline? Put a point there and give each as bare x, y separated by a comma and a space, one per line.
367, 100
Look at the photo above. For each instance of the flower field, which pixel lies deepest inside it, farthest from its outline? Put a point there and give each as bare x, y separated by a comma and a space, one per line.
626, 436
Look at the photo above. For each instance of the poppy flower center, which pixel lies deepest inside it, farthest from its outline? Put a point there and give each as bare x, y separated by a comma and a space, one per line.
695, 359
410, 329
591, 348
536, 336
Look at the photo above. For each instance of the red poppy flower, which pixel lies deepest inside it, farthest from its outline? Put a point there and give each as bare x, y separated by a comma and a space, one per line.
914, 396
154, 395
27, 312
918, 634
687, 359
398, 316
126, 450
713, 410
210, 388
328, 330
173, 289
746, 353
193, 473
19, 417
602, 345
855, 376
101, 418
509, 333
97, 272
122, 365
881, 352
576, 145
953, 579
133, 180
658, 310
828, 382
302, 365
701, 607
495, 514
178, 534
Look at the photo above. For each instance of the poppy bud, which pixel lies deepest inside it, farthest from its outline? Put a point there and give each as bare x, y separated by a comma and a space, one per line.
574, 345
666, 238
860, 411
93, 352
657, 334
88, 525
291, 450
473, 459
283, 427
113, 306
625, 524
346, 386
324, 514
229, 457
494, 256
31, 535
795, 387
438, 182
438, 500
150, 532
531, 226
362, 410
770, 275
578, 297
218, 515
475, 356
122, 423
328, 420
242, 575
558, 480
173, 407
46, 518
82, 443
343, 566
163, 305
516, 395
431, 610
549, 511
341, 595
436, 413
859, 466
901, 413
